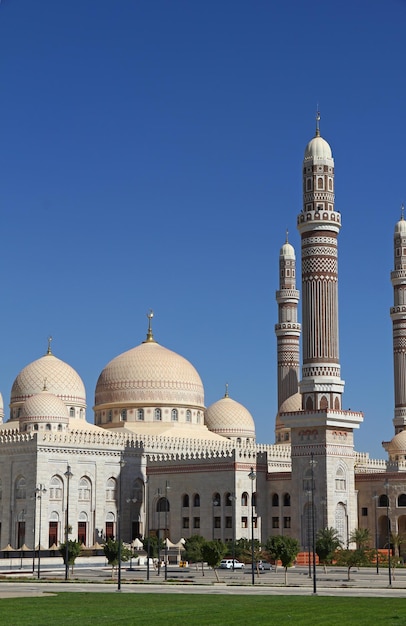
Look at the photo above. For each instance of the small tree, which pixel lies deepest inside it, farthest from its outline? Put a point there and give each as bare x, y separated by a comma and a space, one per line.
212, 553
74, 549
111, 551
284, 549
193, 550
327, 543
353, 558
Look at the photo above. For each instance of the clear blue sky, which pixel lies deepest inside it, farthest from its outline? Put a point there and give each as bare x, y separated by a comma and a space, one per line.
150, 157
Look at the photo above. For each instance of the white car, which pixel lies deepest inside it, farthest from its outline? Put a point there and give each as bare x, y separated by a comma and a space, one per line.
228, 564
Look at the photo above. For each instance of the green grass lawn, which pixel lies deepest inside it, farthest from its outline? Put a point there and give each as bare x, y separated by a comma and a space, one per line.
81, 609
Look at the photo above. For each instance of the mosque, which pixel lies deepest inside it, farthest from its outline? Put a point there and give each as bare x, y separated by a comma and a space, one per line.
156, 461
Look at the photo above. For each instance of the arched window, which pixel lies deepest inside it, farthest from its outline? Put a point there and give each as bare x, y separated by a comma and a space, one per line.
188, 416
162, 505
275, 500
286, 499
185, 500
307, 480
254, 499
137, 490
216, 499
123, 415
196, 500
228, 498
140, 415
158, 415
309, 184
110, 416
72, 412
244, 499
383, 500
402, 499
85, 489
320, 183
174, 415
341, 483
48, 427
56, 488
111, 487
21, 488
198, 417
323, 402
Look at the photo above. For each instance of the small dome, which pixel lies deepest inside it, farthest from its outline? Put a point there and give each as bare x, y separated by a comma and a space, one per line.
44, 406
150, 373
59, 377
400, 227
287, 251
292, 404
229, 418
397, 445
318, 148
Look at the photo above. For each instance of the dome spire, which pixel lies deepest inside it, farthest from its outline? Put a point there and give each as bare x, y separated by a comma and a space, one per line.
287, 236
49, 351
226, 393
317, 122
402, 212
150, 336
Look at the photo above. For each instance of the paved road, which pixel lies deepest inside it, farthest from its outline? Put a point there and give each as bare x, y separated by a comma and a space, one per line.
97, 578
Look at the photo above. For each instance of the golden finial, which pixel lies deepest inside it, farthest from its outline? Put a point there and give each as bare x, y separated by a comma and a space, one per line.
150, 336
318, 122
49, 351
45, 385
226, 393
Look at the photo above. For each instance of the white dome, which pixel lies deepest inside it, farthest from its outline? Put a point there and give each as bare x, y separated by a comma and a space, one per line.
229, 418
287, 251
59, 377
44, 406
318, 148
397, 445
149, 373
400, 227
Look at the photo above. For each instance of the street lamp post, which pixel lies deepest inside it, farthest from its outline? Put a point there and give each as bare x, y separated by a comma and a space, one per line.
309, 557
233, 499
120, 502
252, 476
39, 491
388, 532
375, 498
313, 463
166, 529
147, 524
68, 476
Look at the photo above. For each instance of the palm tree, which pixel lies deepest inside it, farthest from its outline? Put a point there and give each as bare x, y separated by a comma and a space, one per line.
361, 537
327, 543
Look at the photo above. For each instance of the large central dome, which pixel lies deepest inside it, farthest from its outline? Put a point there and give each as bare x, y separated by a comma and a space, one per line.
147, 374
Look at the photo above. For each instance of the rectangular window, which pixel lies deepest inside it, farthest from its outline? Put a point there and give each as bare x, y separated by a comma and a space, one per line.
217, 522
364, 511
255, 522
244, 522
286, 522
275, 522
196, 522
185, 522
229, 522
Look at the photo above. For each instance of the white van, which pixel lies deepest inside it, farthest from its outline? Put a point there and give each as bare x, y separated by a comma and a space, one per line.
228, 564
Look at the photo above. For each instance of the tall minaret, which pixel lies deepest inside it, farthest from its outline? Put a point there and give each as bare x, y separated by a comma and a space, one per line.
319, 224
287, 332
322, 439
398, 315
